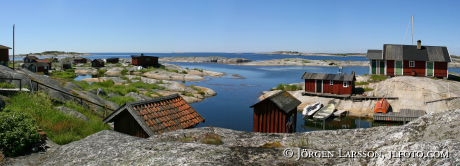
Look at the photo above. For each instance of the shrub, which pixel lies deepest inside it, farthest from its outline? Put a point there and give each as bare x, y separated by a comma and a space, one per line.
18, 133
212, 139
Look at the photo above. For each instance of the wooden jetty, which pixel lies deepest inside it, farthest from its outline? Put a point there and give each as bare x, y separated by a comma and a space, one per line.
330, 95
404, 115
348, 97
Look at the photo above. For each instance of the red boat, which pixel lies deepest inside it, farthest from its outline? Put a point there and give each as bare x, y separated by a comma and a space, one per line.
382, 106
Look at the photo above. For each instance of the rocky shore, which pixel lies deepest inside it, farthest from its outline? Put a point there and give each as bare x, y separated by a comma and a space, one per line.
433, 139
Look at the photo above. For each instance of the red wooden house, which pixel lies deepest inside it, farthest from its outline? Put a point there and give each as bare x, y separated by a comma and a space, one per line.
144, 61
340, 84
4, 55
32, 63
413, 60
276, 113
146, 118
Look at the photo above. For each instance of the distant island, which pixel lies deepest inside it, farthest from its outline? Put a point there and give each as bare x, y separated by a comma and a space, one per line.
302, 53
56, 53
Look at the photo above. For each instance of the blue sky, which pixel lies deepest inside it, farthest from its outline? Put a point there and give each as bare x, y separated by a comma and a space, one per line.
226, 25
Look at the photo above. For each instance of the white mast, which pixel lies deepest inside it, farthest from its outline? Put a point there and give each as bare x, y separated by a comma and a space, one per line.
412, 23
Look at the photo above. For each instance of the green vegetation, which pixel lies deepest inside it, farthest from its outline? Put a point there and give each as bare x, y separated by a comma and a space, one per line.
305, 61
60, 127
7, 85
124, 71
366, 89
199, 90
101, 72
57, 53
68, 74
362, 83
213, 139
122, 90
377, 78
18, 133
288, 87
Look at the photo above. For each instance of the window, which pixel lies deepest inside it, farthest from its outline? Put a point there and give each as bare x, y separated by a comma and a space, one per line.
331, 82
411, 63
345, 84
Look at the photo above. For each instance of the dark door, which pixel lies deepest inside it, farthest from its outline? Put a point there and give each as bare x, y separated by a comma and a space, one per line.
319, 86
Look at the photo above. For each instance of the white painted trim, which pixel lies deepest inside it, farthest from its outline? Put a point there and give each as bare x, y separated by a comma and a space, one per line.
331, 82
345, 84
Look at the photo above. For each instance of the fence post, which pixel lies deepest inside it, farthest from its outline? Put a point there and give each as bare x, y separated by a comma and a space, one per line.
20, 85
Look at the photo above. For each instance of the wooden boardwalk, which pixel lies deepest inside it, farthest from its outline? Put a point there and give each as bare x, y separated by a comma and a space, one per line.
404, 115
348, 97
325, 95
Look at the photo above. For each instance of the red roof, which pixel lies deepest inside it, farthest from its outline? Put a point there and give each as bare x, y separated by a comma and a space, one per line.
162, 114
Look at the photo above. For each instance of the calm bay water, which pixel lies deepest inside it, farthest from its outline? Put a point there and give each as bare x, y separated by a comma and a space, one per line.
231, 107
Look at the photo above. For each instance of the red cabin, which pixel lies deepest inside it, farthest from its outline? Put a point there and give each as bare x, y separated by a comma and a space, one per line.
340, 84
276, 113
144, 61
410, 60
4, 55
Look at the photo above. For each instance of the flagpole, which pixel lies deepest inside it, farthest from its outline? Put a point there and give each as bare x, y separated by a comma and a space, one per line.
13, 45
412, 29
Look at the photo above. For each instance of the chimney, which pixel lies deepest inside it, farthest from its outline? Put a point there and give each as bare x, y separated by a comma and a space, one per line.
419, 44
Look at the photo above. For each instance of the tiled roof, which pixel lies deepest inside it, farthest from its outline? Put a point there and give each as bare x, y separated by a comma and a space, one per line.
283, 100
161, 114
323, 76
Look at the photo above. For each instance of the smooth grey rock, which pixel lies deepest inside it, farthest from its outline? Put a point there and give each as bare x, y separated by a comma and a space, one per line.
432, 132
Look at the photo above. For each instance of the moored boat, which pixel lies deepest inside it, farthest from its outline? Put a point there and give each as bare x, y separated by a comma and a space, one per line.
311, 109
325, 112
382, 106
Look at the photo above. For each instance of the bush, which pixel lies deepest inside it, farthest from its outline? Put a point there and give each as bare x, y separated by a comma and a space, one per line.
18, 133
288, 87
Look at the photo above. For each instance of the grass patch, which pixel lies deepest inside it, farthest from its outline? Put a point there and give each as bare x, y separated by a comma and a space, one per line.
378, 78
120, 100
68, 74
7, 85
366, 89
305, 61
60, 127
362, 83
121, 91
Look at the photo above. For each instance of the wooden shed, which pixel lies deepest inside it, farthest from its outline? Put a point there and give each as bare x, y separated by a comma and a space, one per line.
34, 64
146, 118
80, 60
97, 63
4, 55
409, 60
113, 60
340, 84
144, 61
276, 113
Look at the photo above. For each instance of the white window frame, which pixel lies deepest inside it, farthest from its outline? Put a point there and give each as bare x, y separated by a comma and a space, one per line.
411, 63
345, 84
331, 82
